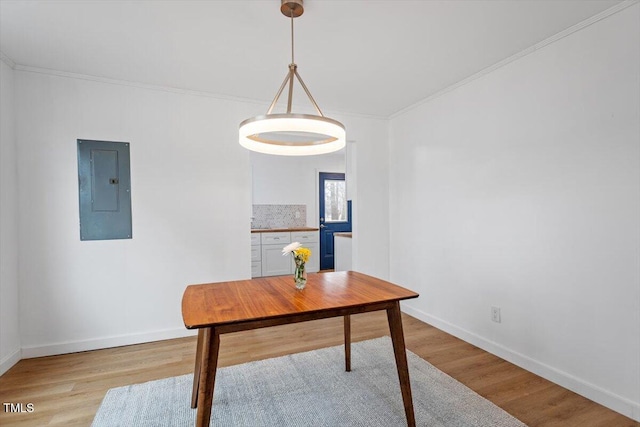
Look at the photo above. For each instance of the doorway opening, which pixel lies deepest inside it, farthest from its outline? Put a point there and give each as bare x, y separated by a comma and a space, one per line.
334, 215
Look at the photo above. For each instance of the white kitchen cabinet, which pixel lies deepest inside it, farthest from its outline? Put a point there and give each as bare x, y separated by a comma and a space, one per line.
342, 251
309, 239
266, 252
256, 255
277, 238
274, 263
256, 269
313, 266
304, 237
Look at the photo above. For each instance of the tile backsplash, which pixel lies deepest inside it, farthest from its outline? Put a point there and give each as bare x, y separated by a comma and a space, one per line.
279, 216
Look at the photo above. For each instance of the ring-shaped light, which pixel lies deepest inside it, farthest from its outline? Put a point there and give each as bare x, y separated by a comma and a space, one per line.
291, 134
261, 134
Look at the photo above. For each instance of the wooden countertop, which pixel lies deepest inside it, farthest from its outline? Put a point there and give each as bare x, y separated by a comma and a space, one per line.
276, 230
349, 235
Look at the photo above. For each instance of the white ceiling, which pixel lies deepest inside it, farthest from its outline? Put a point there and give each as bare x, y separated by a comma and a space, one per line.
367, 57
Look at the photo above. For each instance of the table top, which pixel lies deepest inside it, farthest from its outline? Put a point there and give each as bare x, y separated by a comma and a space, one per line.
215, 304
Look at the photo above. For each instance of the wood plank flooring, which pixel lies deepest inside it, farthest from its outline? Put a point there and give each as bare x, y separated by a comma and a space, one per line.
67, 390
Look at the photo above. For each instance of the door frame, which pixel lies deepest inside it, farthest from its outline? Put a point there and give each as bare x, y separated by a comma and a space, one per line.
326, 241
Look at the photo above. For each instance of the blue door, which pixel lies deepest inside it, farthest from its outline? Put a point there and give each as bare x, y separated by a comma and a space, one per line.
335, 214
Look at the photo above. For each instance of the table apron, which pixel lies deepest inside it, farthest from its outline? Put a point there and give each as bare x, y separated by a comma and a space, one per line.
297, 318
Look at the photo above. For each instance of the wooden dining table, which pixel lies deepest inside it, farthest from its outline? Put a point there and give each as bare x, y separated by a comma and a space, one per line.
218, 308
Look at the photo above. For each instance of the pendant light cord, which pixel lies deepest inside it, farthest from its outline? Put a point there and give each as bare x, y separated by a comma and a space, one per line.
293, 73
292, 61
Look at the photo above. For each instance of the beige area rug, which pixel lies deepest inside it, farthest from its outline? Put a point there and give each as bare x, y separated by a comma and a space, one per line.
309, 389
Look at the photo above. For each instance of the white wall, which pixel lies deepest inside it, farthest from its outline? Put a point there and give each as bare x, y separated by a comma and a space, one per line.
9, 319
370, 243
284, 180
521, 190
190, 205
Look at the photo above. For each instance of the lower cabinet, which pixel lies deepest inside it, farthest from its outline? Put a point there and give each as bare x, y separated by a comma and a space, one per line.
256, 269
342, 252
256, 256
309, 239
267, 259
273, 263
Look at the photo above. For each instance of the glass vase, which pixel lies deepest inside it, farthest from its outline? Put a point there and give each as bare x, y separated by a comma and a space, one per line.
300, 275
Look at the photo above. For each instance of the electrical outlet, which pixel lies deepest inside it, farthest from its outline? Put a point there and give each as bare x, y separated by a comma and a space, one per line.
495, 314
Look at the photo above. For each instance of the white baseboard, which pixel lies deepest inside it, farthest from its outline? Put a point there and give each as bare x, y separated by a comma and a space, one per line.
106, 342
604, 397
7, 362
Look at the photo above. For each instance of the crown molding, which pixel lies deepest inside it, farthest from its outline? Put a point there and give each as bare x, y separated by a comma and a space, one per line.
4, 58
602, 15
118, 82
559, 36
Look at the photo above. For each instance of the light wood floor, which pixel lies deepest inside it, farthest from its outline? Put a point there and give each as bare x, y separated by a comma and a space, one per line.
67, 390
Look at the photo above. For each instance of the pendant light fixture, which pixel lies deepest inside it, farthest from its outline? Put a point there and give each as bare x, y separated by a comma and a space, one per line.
289, 134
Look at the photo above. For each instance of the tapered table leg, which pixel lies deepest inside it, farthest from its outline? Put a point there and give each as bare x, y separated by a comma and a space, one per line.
196, 369
211, 345
347, 343
397, 336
